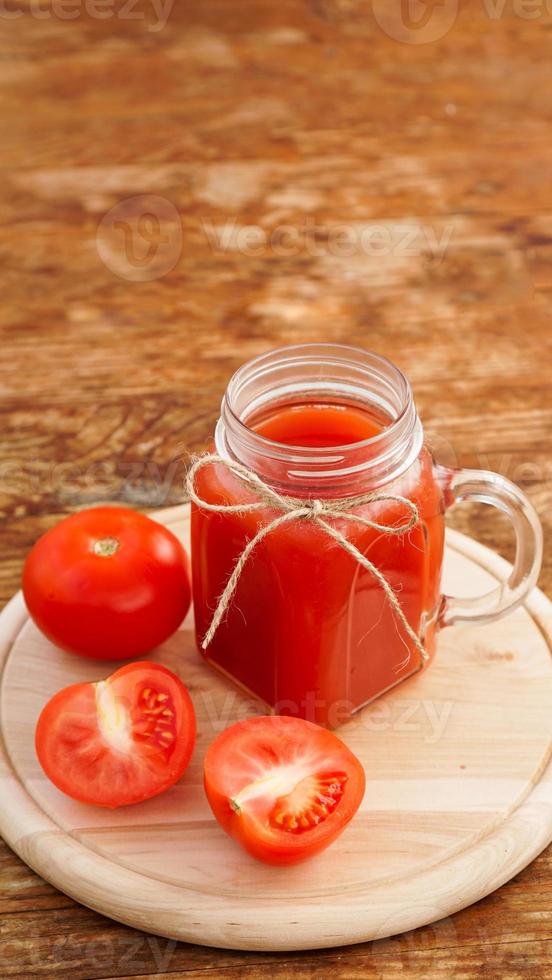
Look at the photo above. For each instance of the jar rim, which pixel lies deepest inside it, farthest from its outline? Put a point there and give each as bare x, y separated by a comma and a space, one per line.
357, 375
321, 347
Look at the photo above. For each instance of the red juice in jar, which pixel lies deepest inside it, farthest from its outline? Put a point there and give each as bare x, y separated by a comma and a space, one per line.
309, 630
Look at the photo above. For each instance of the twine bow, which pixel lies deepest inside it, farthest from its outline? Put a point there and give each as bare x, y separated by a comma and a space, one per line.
293, 509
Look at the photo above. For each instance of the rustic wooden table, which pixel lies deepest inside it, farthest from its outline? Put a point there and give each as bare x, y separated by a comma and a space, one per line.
184, 188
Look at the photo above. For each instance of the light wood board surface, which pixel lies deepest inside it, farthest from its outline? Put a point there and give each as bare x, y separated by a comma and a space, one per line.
458, 800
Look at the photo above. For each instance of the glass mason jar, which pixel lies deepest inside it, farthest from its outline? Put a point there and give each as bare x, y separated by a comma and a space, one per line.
309, 629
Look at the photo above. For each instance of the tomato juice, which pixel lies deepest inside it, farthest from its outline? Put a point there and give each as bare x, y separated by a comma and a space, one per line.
309, 630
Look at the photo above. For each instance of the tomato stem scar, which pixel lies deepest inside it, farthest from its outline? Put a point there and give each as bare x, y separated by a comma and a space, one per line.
106, 547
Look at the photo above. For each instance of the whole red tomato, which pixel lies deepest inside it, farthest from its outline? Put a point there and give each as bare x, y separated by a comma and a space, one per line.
107, 583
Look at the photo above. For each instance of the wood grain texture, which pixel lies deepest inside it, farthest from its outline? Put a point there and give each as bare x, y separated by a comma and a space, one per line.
268, 114
459, 794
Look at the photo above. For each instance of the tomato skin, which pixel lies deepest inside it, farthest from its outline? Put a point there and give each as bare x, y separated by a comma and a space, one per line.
77, 758
107, 606
250, 750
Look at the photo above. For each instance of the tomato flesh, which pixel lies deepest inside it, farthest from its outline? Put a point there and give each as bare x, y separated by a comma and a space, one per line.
107, 583
118, 741
282, 787
309, 803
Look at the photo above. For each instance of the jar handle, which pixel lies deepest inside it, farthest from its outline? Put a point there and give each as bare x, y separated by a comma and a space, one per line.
491, 488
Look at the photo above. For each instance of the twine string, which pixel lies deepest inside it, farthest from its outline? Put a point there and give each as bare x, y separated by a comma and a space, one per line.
292, 509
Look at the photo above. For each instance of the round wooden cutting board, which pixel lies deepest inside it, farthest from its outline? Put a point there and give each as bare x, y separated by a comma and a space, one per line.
458, 799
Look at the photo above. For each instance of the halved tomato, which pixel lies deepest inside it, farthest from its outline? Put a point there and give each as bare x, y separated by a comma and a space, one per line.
282, 787
118, 741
